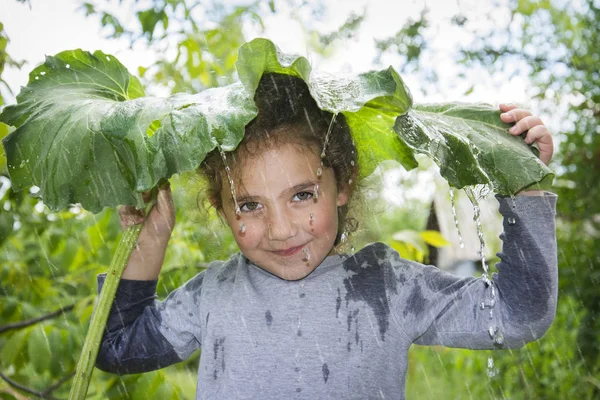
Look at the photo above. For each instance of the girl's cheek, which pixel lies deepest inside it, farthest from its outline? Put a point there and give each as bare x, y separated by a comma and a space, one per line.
248, 233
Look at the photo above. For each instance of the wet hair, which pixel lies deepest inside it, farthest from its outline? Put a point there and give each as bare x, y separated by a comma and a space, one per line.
288, 114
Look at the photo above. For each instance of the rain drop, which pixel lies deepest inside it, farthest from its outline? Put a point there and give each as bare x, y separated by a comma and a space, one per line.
511, 220
242, 228
43, 73
453, 203
311, 218
350, 181
107, 58
319, 172
352, 163
344, 237
68, 66
232, 187
306, 254
316, 190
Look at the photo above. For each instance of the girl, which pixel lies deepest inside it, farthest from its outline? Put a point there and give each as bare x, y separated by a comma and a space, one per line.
289, 317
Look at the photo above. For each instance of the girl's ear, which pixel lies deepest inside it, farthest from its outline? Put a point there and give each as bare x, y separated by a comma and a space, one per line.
343, 195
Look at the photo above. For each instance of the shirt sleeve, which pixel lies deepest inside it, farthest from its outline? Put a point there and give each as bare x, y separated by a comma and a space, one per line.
143, 334
433, 307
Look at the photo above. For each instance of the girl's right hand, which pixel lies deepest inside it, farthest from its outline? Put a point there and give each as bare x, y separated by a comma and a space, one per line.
147, 257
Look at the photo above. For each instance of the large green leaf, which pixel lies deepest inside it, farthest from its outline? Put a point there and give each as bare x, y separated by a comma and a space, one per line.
370, 101
471, 145
85, 135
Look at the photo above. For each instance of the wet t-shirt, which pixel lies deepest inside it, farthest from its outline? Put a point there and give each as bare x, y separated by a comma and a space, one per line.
343, 331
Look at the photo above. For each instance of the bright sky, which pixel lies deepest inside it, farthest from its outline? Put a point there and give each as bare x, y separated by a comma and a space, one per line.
48, 27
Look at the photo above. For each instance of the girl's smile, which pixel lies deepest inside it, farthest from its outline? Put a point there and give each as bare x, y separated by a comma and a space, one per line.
288, 212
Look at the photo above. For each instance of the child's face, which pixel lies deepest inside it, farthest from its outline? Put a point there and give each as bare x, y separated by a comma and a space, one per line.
288, 230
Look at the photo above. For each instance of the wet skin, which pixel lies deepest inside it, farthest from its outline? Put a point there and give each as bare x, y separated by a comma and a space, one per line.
288, 229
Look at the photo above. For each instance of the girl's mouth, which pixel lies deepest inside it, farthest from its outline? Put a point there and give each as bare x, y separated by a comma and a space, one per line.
288, 252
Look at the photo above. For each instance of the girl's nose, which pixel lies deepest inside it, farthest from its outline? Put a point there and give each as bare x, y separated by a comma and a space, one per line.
280, 226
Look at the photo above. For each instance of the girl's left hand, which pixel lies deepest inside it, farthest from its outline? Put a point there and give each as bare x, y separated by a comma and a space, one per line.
536, 130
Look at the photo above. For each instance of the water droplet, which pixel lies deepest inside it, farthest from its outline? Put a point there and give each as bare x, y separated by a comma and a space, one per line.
37, 77
350, 181
352, 163
242, 228
43, 73
344, 237
311, 218
316, 190
453, 204
492, 370
511, 220
107, 58
68, 66
306, 254
352, 249
327, 136
319, 172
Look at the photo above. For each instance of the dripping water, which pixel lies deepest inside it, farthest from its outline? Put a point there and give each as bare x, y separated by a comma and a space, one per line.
321, 166
453, 203
306, 254
231, 185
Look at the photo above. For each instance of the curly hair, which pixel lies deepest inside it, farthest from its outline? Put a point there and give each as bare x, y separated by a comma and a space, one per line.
287, 113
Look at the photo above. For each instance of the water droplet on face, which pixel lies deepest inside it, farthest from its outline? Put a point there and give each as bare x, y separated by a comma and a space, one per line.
319, 172
242, 228
511, 220
306, 254
311, 218
316, 190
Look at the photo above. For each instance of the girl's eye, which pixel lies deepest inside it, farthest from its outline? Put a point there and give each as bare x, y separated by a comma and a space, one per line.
250, 206
301, 196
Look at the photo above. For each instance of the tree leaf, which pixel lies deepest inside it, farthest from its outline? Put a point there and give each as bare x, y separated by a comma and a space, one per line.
83, 131
370, 101
471, 145
433, 238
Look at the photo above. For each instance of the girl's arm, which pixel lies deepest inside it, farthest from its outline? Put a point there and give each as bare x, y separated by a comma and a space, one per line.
521, 304
143, 334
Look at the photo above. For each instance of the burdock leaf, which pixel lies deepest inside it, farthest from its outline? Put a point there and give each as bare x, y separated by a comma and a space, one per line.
86, 135
471, 145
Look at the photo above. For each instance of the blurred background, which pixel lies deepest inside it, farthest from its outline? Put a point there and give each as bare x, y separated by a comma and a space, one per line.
540, 54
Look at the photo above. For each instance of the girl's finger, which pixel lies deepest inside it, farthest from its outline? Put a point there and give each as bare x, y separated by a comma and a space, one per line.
525, 124
129, 215
542, 136
515, 115
505, 107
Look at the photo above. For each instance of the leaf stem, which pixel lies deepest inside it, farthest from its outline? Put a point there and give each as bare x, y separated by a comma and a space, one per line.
87, 359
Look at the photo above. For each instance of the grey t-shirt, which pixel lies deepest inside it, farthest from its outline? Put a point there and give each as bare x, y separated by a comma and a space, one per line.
343, 331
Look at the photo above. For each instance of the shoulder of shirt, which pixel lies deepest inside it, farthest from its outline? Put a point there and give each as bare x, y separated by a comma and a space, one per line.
224, 270
380, 254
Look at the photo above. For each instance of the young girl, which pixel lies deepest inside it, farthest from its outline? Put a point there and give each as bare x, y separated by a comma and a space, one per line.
289, 317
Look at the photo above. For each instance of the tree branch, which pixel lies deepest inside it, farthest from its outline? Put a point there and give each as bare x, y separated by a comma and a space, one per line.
25, 389
33, 321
